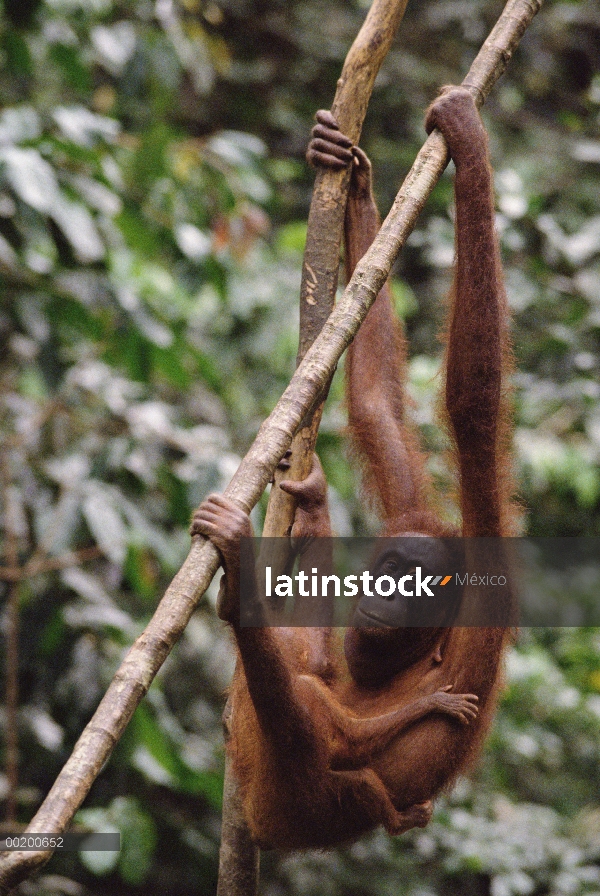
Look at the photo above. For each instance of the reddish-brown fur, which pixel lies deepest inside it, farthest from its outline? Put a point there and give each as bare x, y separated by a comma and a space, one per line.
323, 756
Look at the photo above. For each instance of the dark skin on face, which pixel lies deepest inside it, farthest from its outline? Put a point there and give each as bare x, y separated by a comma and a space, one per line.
326, 748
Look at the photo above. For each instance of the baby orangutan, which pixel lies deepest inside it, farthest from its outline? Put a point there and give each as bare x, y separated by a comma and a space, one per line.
324, 748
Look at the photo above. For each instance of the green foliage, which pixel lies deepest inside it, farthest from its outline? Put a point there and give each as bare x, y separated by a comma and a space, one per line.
126, 817
153, 203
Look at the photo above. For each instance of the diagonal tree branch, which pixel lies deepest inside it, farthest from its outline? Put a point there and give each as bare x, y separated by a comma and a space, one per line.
149, 651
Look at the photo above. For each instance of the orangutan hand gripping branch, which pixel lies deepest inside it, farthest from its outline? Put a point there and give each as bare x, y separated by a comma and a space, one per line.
324, 748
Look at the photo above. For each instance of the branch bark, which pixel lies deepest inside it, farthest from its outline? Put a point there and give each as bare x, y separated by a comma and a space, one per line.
324, 236
149, 651
239, 856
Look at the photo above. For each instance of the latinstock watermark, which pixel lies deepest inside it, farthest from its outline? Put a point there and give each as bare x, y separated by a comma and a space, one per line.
412, 580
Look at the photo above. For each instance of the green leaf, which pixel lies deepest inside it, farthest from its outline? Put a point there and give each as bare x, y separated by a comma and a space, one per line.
167, 362
138, 842
140, 237
105, 523
138, 839
31, 177
83, 127
32, 385
79, 227
404, 299
160, 760
69, 61
192, 241
100, 862
18, 58
141, 571
292, 237
115, 45
19, 123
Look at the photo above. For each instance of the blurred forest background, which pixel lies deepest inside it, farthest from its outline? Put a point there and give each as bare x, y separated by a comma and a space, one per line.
153, 199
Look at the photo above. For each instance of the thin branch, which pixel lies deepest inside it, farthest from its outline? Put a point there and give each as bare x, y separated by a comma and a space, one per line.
150, 650
37, 565
64, 561
239, 856
12, 701
12, 650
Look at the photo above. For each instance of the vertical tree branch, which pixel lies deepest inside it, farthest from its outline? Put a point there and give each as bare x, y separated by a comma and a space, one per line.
11, 635
324, 237
12, 700
239, 857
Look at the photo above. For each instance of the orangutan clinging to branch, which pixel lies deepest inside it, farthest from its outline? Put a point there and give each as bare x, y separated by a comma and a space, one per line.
326, 749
